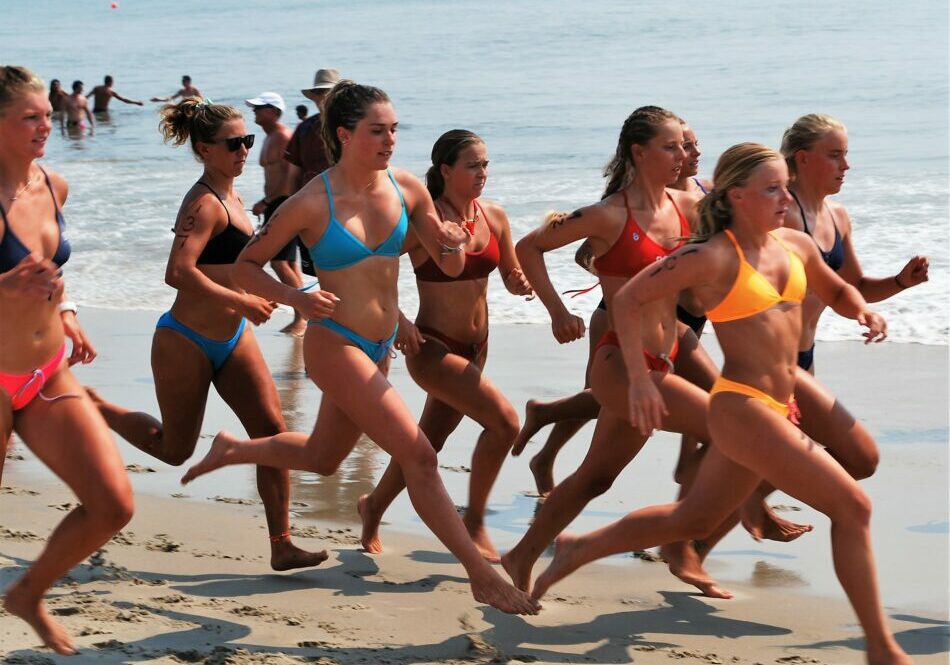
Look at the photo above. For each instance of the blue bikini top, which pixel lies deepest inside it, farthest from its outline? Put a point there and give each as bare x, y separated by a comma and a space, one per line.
12, 249
338, 248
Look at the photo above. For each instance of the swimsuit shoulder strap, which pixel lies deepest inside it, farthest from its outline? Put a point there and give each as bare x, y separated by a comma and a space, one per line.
685, 231
735, 243
210, 189
802, 211
326, 183
392, 179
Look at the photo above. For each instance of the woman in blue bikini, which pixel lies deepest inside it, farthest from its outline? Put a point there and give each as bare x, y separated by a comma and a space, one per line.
340, 216
203, 339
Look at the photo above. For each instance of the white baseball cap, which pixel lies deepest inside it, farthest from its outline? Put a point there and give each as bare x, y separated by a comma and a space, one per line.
267, 99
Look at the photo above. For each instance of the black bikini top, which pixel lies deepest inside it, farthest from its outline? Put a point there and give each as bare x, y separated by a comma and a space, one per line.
224, 247
12, 249
834, 257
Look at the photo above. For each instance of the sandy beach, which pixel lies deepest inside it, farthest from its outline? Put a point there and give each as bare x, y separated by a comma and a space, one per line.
188, 580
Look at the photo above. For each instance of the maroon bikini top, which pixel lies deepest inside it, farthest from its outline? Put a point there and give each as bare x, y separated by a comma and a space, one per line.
477, 264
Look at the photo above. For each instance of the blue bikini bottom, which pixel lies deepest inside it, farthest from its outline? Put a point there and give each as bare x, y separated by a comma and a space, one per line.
375, 350
217, 352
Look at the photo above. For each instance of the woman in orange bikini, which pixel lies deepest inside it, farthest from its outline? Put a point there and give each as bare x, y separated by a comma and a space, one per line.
638, 222
756, 311
447, 347
40, 399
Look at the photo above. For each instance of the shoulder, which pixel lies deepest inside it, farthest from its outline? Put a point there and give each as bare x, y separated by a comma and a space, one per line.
201, 206
493, 210
408, 183
59, 185
685, 199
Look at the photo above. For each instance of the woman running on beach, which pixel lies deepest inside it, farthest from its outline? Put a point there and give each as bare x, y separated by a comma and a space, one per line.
638, 222
751, 277
447, 347
204, 338
40, 399
354, 218
569, 414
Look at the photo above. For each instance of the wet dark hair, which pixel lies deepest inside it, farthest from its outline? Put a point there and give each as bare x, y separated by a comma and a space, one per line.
195, 119
301, 110
185, 77
108, 80
639, 127
446, 151
344, 106
77, 85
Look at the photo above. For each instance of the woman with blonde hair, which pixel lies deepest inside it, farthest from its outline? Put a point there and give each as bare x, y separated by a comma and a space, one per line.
204, 338
40, 399
751, 276
447, 347
354, 218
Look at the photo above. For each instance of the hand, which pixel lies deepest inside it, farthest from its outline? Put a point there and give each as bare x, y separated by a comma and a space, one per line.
259, 208
567, 327
452, 235
33, 278
83, 351
408, 338
315, 304
914, 273
876, 325
255, 309
646, 405
518, 284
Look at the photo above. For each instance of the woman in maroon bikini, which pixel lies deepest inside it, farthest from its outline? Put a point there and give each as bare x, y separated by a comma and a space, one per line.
447, 347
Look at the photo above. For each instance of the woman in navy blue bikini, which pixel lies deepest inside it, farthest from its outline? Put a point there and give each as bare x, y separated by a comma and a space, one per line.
203, 339
354, 219
40, 399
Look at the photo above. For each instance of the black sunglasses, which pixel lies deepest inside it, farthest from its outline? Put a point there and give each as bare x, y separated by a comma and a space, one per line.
233, 144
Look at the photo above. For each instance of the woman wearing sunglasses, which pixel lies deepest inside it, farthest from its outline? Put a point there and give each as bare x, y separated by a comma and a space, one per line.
204, 337
354, 219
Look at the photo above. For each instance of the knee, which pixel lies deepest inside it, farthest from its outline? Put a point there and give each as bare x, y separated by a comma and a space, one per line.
325, 467
421, 460
177, 458
592, 486
866, 464
113, 510
854, 510
506, 425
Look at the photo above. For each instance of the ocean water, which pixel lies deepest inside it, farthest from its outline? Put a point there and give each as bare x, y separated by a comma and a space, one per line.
547, 84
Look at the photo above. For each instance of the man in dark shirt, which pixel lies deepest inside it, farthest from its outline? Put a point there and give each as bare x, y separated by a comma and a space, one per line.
306, 151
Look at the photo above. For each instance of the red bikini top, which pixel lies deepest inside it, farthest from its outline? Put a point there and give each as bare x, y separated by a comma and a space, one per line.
477, 264
634, 249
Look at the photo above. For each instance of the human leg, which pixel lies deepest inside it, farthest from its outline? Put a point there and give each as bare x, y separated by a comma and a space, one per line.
288, 272
73, 441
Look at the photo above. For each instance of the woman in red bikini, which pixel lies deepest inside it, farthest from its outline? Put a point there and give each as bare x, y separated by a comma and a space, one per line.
638, 222
750, 276
447, 347
40, 399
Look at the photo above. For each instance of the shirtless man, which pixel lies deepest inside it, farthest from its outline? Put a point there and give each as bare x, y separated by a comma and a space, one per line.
187, 90
76, 107
103, 94
268, 107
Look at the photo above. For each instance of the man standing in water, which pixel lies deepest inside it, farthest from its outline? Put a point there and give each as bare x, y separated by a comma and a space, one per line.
103, 94
306, 151
187, 90
268, 108
77, 111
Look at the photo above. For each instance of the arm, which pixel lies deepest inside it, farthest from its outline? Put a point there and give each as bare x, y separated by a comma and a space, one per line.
690, 266
92, 122
293, 217
442, 240
136, 102
558, 230
838, 294
511, 274
292, 157
584, 257
876, 289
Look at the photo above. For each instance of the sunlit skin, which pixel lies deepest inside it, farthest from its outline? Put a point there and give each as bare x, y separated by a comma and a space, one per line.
65, 430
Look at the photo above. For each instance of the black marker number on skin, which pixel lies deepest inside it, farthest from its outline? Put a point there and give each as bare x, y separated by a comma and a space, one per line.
560, 219
186, 227
670, 262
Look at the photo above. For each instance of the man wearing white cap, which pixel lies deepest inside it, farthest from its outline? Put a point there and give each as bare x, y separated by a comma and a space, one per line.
268, 107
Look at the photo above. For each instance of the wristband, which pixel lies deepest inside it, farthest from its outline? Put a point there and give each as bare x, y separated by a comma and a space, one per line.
446, 249
68, 306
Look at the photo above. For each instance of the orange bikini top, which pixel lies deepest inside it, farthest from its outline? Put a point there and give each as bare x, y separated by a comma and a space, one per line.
751, 293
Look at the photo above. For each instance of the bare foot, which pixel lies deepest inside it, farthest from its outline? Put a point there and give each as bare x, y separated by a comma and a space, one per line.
519, 573
482, 542
763, 524
284, 555
369, 538
567, 549
543, 472
33, 611
216, 458
502, 596
684, 562
295, 328
890, 654
530, 428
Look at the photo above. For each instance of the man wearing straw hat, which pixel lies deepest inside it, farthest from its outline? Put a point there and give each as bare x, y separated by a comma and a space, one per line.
306, 151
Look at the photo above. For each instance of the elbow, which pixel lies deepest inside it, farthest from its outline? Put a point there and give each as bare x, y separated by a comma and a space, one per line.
173, 277
525, 248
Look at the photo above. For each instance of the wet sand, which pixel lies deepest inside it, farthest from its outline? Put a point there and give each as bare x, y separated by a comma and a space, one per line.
174, 590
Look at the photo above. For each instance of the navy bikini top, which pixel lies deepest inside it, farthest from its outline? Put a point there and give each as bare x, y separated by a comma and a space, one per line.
224, 247
338, 248
12, 249
834, 257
